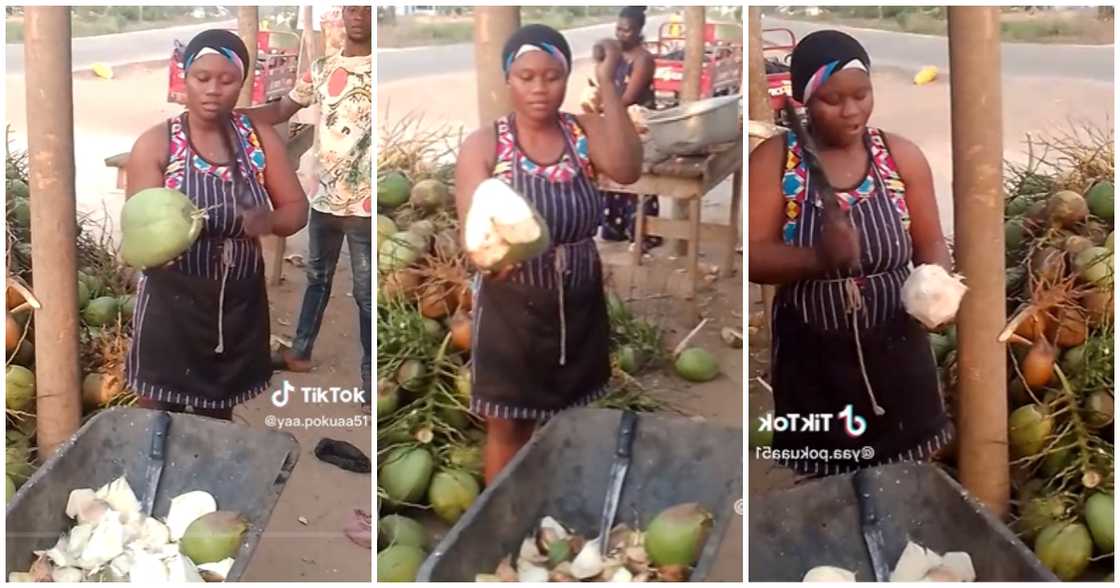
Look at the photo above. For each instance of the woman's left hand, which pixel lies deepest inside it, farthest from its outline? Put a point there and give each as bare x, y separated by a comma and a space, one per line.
257, 222
612, 55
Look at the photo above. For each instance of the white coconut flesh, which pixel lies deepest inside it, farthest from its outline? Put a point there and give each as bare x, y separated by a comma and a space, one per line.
933, 296
114, 541
502, 228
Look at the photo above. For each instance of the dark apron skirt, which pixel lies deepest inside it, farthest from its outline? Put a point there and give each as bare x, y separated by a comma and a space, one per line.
173, 359
817, 371
516, 343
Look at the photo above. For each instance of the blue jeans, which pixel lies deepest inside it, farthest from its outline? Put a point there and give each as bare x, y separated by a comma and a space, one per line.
325, 233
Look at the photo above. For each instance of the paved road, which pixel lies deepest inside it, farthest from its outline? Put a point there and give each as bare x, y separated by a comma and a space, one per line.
399, 64
1019, 59
122, 48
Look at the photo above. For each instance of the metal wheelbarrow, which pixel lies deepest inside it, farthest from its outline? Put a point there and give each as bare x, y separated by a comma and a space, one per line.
244, 469
562, 472
818, 523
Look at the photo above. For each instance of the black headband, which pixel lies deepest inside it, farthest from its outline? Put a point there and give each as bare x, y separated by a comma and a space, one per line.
221, 41
821, 54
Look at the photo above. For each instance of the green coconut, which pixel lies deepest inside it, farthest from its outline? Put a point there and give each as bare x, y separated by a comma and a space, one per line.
401, 250
1017, 206
17, 462
213, 537
1066, 209
502, 228
400, 530
388, 398
1060, 458
102, 311
157, 226
1028, 430
19, 388
1033, 183
20, 211
399, 563
385, 228
127, 305
430, 195
93, 282
758, 436
1099, 515
467, 458
9, 489
1039, 513
1094, 266
1099, 409
451, 493
615, 306
405, 474
83, 295
393, 189
1101, 200
434, 328
1073, 360
1014, 234
629, 360
941, 346
463, 384
412, 374
1065, 548
1108, 241
424, 228
677, 534
696, 365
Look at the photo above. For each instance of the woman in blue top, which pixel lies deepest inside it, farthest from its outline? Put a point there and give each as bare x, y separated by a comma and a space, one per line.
540, 341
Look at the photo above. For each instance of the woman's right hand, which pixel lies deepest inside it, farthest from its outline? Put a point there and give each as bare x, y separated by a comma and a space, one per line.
838, 248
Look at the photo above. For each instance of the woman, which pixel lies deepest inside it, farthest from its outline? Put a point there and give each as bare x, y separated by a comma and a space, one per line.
541, 330
633, 80
840, 334
202, 324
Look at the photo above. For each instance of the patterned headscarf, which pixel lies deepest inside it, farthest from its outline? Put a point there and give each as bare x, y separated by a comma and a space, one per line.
218, 42
536, 37
819, 56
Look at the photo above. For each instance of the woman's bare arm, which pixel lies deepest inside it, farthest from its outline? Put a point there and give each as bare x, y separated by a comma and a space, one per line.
475, 164
612, 141
640, 79
289, 202
769, 259
925, 222
147, 161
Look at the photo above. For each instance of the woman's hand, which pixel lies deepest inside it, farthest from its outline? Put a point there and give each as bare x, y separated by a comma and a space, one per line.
504, 273
838, 247
257, 222
611, 51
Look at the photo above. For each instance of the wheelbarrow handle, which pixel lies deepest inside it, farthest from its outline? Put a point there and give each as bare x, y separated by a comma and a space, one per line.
159, 436
627, 426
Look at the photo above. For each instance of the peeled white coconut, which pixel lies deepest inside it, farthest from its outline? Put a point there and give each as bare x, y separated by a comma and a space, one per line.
219, 568
932, 295
622, 575
551, 525
502, 228
180, 568
16, 577
153, 534
530, 552
120, 566
530, 572
185, 508
960, 564
60, 553
120, 496
828, 574
79, 537
66, 575
148, 569
105, 544
588, 563
914, 563
78, 500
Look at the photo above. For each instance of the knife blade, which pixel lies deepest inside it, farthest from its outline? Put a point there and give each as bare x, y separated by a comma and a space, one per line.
627, 425
156, 455
869, 525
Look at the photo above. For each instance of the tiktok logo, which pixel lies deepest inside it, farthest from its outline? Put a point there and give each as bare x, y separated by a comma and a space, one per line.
280, 397
854, 425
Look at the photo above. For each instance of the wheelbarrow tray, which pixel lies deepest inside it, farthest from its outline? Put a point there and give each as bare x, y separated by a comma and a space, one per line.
818, 523
244, 469
562, 472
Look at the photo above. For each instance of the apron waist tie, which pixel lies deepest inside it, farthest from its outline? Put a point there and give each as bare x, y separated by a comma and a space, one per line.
227, 262
853, 303
561, 264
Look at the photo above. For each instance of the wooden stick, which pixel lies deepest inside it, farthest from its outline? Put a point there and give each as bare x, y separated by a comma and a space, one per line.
684, 342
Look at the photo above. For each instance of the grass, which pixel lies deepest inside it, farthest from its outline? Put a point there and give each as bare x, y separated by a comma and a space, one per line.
414, 31
1045, 27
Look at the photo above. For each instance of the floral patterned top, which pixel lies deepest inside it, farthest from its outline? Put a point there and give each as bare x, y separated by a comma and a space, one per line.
563, 170
180, 147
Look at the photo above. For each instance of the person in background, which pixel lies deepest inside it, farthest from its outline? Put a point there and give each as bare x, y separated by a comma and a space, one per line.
342, 208
541, 332
842, 340
201, 339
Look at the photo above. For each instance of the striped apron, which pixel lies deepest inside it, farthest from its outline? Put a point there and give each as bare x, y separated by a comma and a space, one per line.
541, 335
202, 323
846, 340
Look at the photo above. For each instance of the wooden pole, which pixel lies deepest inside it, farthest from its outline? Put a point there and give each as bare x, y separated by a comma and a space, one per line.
492, 26
976, 101
759, 104
247, 27
54, 230
690, 92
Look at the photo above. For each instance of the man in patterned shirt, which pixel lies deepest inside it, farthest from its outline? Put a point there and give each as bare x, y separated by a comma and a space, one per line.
341, 208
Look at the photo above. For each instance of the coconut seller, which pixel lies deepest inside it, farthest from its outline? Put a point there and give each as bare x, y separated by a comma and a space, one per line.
341, 208
633, 80
841, 336
201, 340
540, 332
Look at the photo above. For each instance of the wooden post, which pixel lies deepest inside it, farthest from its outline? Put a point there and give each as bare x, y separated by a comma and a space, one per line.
247, 27
977, 132
690, 92
492, 26
54, 255
758, 102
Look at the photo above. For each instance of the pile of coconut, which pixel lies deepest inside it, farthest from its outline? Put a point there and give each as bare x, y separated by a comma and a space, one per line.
114, 541
916, 564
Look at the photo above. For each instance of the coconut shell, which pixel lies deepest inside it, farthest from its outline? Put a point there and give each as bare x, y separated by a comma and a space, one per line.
437, 303
100, 389
1034, 326
1098, 306
400, 284
461, 331
1038, 365
1066, 209
1071, 328
12, 333
1048, 264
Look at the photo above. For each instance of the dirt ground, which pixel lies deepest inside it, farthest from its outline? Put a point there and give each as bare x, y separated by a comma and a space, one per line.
304, 540
654, 290
921, 113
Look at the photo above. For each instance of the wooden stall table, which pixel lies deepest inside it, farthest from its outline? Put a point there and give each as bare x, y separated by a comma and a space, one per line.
689, 179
